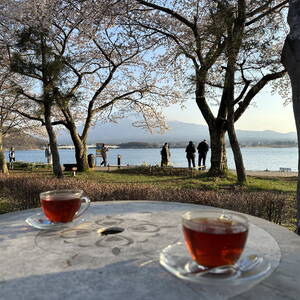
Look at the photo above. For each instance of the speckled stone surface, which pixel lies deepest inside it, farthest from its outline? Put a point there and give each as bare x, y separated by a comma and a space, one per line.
78, 262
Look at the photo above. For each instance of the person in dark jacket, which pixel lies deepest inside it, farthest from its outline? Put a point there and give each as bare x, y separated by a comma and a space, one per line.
165, 155
203, 148
190, 154
104, 150
48, 154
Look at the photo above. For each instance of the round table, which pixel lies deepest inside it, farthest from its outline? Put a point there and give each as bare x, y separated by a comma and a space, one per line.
79, 262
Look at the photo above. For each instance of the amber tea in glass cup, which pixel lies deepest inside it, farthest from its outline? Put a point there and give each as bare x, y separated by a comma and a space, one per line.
214, 238
62, 206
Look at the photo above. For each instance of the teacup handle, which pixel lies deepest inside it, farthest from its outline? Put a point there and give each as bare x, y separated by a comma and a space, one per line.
83, 208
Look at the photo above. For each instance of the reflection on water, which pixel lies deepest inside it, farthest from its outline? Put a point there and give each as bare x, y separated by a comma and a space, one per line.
254, 158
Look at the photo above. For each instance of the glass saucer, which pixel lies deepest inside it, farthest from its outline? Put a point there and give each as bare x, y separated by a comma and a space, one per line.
40, 221
175, 259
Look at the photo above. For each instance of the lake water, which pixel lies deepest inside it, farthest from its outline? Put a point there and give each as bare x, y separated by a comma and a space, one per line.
254, 158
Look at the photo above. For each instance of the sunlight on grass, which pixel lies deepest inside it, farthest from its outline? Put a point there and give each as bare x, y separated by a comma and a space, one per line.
273, 184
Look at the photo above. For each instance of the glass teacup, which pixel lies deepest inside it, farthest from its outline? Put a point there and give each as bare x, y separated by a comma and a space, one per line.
213, 238
62, 206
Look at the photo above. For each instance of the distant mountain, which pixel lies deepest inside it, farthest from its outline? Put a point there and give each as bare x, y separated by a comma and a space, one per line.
21, 140
123, 132
138, 145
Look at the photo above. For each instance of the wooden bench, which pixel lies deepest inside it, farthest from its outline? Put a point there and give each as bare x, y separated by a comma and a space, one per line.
70, 167
285, 169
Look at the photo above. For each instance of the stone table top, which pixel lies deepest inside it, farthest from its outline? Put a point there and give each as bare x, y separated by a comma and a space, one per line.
77, 262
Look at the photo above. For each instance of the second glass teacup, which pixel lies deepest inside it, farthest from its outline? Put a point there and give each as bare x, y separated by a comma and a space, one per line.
214, 238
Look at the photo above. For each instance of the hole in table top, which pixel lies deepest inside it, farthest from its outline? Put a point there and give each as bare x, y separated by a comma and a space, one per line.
110, 230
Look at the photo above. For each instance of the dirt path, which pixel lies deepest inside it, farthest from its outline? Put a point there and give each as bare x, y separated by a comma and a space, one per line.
272, 173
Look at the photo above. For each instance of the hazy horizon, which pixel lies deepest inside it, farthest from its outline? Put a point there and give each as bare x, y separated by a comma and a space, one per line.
267, 113
237, 128
179, 131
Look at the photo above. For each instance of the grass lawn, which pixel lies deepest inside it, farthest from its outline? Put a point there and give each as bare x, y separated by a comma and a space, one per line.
192, 180
174, 178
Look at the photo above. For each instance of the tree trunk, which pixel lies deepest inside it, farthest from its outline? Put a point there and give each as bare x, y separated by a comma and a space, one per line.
57, 170
217, 128
3, 164
80, 148
238, 158
218, 152
235, 37
291, 61
80, 154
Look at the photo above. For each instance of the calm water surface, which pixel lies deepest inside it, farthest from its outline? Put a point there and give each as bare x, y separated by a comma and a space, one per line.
254, 158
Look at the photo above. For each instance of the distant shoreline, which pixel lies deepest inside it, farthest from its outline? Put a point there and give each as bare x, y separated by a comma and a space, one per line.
159, 146
271, 146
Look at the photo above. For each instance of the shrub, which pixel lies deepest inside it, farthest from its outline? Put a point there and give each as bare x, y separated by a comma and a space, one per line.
273, 206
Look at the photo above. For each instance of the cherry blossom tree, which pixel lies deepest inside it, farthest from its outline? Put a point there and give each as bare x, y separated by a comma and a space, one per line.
230, 49
91, 67
10, 120
24, 27
113, 77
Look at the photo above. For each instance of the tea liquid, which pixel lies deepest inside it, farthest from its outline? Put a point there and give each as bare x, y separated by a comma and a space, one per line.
215, 242
60, 209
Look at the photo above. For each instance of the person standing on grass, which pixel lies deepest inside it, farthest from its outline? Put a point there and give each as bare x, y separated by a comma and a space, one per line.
48, 154
165, 155
104, 150
12, 158
203, 148
190, 154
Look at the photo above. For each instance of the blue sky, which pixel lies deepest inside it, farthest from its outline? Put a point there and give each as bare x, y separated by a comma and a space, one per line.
268, 113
